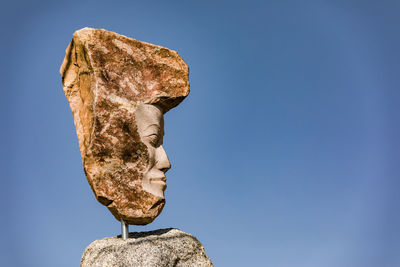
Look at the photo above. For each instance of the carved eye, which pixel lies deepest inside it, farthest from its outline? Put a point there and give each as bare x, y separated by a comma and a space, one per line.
153, 139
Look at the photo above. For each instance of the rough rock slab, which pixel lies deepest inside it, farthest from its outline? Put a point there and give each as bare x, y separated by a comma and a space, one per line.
160, 248
106, 78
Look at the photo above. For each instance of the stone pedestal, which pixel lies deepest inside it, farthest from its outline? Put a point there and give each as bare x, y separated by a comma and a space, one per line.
164, 247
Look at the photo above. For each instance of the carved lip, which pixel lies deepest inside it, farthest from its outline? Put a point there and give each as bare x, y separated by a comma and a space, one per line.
159, 180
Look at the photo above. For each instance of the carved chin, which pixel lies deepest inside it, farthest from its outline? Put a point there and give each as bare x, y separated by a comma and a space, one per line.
156, 188
139, 212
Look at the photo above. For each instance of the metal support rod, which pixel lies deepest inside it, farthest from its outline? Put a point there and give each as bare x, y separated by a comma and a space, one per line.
124, 230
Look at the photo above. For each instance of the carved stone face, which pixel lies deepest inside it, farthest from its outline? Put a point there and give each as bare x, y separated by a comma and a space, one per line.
138, 181
127, 163
118, 89
150, 126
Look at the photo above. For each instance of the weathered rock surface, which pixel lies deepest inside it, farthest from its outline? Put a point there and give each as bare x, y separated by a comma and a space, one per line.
107, 78
161, 248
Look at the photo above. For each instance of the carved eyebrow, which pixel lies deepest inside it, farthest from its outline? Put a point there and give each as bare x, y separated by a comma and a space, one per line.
159, 128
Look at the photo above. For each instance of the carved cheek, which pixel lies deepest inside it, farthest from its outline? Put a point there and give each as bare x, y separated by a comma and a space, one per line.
151, 153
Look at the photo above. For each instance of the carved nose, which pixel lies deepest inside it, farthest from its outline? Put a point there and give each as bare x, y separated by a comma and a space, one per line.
163, 163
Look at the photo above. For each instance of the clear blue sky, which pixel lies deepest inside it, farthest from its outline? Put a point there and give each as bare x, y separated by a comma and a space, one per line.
285, 154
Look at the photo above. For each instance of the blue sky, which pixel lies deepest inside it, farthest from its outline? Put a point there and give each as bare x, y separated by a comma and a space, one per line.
286, 152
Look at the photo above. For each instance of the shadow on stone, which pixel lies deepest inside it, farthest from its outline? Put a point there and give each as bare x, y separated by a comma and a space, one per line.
148, 233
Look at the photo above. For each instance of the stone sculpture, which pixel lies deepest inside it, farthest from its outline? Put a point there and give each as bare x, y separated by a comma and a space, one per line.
118, 89
160, 248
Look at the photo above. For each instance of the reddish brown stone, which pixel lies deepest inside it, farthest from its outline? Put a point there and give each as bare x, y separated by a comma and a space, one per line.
108, 78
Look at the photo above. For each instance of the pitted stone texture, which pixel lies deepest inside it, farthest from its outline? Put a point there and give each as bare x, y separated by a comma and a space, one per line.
160, 248
106, 76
